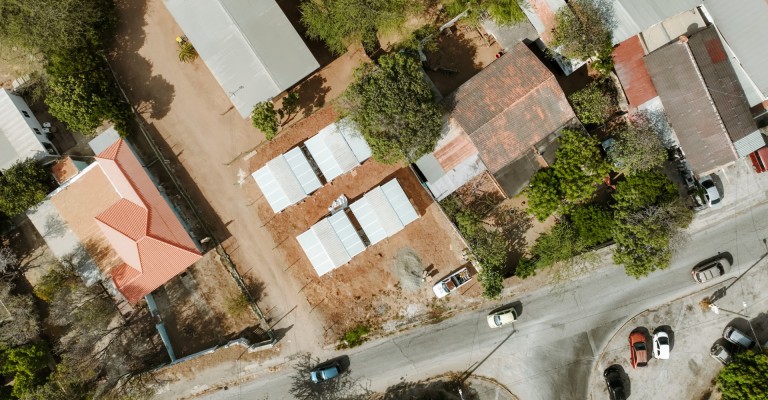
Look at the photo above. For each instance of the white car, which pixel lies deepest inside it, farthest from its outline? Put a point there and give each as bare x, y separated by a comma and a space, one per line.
502, 317
711, 193
661, 346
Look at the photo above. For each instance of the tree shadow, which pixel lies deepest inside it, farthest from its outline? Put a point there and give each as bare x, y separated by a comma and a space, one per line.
150, 94
453, 63
312, 93
255, 287
441, 389
514, 223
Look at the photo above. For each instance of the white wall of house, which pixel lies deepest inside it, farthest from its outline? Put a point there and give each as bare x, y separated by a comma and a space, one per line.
21, 134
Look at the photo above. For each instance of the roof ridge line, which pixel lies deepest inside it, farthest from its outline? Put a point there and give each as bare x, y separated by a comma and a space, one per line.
176, 245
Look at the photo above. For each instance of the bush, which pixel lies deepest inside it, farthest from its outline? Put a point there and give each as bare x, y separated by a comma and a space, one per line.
593, 104
746, 378
264, 118
22, 186
237, 304
355, 336
593, 224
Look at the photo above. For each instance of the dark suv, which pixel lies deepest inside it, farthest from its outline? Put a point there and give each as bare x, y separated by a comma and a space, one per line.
615, 383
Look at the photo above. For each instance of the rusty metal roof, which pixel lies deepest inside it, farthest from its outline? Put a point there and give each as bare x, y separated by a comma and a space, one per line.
634, 77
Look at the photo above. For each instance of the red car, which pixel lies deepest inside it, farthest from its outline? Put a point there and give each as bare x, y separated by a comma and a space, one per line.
760, 159
638, 349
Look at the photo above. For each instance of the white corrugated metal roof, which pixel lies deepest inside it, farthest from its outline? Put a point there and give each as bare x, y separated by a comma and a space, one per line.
399, 201
302, 170
354, 139
314, 250
249, 45
17, 140
383, 211
333, 153
331, 243
635, 16
347, 233
368, 220
280, 186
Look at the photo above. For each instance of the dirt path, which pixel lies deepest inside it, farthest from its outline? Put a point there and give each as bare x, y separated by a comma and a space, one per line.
193, 121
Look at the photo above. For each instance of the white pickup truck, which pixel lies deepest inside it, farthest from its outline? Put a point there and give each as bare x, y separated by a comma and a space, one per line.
451, 282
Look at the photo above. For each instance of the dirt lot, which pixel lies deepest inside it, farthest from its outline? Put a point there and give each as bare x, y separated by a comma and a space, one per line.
368, 281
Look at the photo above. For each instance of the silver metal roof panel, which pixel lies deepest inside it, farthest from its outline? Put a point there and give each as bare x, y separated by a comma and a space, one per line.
315, 252
399, 201
302, 170
354, 139
331, 242
347, 233
383, 209
280, 186
369, 220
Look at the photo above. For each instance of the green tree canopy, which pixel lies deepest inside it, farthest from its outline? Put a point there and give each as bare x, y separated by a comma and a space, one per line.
503, 12
593, 224
544, 196
22, 186
82, 93
746, 378
579, 166
394, 109
649, 216
593, 104
339, 23
639, 146
264, 118
583, 29
27, 365
53, 26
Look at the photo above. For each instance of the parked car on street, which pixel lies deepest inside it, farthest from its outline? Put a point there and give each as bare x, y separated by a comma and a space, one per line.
738, 337
661, 346
502, 317
710, 191
638, 349
451, 282
325, 371
615, 383
720, 353
711, 270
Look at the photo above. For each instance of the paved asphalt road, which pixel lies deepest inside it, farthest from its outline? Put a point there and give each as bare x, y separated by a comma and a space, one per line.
549, 352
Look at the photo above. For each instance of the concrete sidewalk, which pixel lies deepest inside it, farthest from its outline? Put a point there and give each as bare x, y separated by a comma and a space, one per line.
690, 371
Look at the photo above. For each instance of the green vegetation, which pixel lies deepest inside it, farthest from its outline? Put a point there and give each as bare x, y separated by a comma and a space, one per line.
72, 34
489, 246
639, 147
572, 179
27, 365
264, 118
593, 104
23, 185
355, 336
593, 224
424, 38
394, 109
187, 52
503, 12
237, 304
339, 23
560, 244
648, 217
82, 93
583, 29
746, 378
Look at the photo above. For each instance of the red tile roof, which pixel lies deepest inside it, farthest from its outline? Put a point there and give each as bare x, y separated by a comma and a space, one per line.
634, 77
138, 224
509, 106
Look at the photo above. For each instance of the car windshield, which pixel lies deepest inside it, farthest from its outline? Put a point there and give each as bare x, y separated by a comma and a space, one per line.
708, 184
497, 320
715, 201
663, 340
639, 346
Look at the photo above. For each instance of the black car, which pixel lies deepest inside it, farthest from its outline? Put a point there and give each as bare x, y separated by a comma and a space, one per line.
615, 383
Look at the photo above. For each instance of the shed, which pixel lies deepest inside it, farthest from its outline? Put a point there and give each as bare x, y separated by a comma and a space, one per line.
383, 211
287, 179
331, 243
249, 45
337, 149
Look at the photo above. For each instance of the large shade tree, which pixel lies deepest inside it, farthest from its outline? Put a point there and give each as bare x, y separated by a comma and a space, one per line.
22, 186
340, 23
639, 146
393, 107
503, 12
746, 378
584, 29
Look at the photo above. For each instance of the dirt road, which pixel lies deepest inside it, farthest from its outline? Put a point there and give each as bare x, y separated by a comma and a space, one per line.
203, 138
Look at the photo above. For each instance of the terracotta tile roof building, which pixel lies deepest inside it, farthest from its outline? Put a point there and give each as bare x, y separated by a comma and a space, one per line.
125, 223
704, 101
509, 110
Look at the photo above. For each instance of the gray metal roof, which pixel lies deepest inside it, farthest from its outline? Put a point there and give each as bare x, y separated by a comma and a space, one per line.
249, 45
286, 180
469, 168
369, 220
635, 16
744, 28
334, 153
331, 243
399, 201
